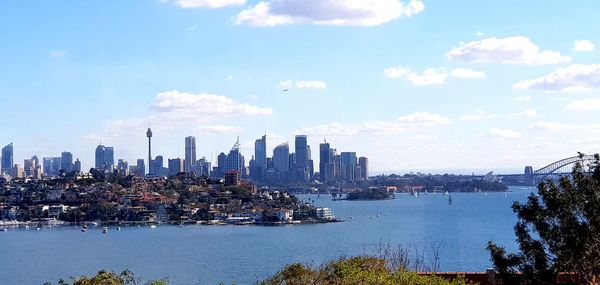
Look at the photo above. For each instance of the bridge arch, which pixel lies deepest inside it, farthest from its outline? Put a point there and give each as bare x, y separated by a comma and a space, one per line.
557, 166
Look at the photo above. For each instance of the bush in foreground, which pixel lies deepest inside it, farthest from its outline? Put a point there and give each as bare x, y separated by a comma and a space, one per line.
355, 270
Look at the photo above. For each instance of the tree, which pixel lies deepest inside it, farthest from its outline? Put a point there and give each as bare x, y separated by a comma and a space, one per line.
558, 230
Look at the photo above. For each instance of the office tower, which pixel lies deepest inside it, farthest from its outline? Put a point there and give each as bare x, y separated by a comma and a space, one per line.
529, 177
175, 166
325, 163
202, 167
7, 161
77, 165
281, 158
140, 167
31, 167
301, 146
157, 166
66, 161
221, 164
337, 165
260, 157
348, 165
190, 154
51, 165
123, 167
235, 160
363, 162
17, 171
105, 158
149, 136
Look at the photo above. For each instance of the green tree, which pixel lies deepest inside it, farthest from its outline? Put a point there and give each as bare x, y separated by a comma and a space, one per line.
558, 230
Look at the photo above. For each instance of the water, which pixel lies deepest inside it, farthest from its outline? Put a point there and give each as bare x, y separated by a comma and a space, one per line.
245, 254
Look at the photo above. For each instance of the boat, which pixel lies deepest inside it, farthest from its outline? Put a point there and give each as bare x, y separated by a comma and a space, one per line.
118, 228
4, 230
105, 230
153, 226
445, 193
83, 230
449, 199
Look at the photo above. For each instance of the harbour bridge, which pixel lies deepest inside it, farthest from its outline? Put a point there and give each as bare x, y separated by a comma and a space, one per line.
563, 166
552, 170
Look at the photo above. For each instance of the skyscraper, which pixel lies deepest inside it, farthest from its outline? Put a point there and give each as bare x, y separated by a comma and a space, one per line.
105, 158
77, 165
281, 158
7, 161
235, 160
149, 136
301, 146
221, 164
157, 166
66, 161
348, 165
190, 154
140, 167
175, 166
325, 163
260, 156
363, 162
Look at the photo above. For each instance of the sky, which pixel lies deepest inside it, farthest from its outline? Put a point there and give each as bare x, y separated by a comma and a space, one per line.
444, 86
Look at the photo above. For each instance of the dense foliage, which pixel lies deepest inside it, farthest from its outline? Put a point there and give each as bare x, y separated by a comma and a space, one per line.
109, 278
370, 194
558, 230
356, 270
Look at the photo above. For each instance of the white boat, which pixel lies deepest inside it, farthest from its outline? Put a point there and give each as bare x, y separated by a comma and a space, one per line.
4, 230
153, 226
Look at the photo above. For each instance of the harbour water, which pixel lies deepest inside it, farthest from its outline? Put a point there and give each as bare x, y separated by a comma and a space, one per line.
245, 254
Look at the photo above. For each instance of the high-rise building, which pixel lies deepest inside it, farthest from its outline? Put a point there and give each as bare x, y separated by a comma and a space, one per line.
140, 167
260, 157
190, 154
7, 161
235, 160
149, 136
105, 158
157, 166
202, 167
77, 165
281, 158
17, 171
123, 167
175, 166
221, 165
51, 165
348, 166
325, 163
301, 146
66, 161
363, 162
32, 167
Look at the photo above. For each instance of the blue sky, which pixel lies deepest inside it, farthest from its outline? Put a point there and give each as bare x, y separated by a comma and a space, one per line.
413, 85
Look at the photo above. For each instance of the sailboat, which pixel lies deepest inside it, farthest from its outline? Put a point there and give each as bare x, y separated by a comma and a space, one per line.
449, 199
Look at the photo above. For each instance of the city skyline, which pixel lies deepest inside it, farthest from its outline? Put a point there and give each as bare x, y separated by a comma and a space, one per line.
396, 87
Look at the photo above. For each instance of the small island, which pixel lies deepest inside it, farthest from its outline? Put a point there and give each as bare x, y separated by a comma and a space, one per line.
369, 194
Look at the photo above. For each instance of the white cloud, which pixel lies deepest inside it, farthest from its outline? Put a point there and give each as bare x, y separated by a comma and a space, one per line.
218, 129
523, 99
58, 53
478, 115
530, 113
592, 104
303, 84
512, 50
328, 12
187, 105
400, 125
431, 76
574, 78
496, 133
552, 126
467, 73
583, 45
208, 3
